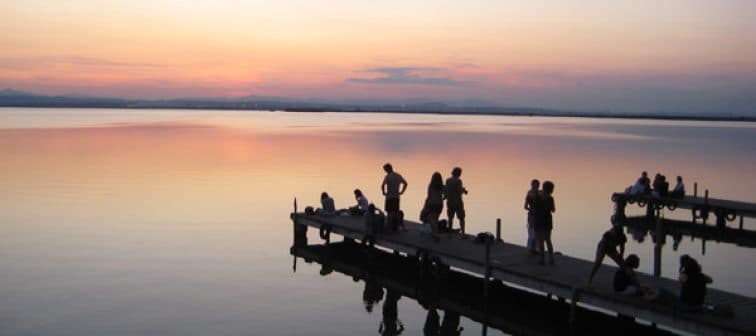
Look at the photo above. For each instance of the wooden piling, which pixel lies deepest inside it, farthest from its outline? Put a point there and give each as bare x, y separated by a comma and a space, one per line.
658, 246
695, 189
498, 228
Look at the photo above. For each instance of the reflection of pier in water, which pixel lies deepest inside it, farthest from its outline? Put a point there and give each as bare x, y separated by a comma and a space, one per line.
498, 260
641, 227
700, 207
436, 287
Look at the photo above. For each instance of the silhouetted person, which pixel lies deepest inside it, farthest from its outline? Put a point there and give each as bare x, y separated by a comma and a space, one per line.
646, 182
661, 186
454, 203
610, 241
450, 324
432, 324
641, 186
327, 203
543, 222
626, 280
692, 286
362, 204
530, 199
391, 325
434, 203
692, 283
679, 190
393, 187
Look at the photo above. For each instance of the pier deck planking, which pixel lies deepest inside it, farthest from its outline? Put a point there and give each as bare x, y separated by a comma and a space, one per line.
566, 279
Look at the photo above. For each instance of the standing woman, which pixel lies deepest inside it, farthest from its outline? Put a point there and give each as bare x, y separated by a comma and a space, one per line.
530, 199
434, 203
544, 207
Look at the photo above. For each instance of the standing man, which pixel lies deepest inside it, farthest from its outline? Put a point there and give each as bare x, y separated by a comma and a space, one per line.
393, 186
454, 204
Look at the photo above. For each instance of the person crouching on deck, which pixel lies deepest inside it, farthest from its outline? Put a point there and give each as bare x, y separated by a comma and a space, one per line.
611, 240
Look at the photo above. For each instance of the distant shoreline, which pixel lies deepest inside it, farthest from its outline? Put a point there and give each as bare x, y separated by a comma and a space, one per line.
553, 114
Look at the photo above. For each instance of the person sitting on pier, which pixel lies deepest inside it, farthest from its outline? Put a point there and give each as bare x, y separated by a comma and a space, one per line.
543, 224
607, 246
679, 190
530, 199
640, 187
454, 204
626, 280
661, 186
434, 204
692, 283
692, 287
646, 182
362, 204
394, 185
328, 206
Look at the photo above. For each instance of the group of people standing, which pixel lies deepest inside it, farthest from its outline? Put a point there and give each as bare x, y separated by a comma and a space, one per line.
540, 207
438, 191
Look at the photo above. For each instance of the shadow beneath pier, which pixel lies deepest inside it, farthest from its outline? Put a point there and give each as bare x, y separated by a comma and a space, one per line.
442, 291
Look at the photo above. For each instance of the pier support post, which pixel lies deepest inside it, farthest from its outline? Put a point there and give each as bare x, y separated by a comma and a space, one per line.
487, 273
619, 209
650, 209
498, 229
300, 231
721, 219
573, 310
658, 247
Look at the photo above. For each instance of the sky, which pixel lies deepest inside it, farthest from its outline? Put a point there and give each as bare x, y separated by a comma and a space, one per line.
621, 56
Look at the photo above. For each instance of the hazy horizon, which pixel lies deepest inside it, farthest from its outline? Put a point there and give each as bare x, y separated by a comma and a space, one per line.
640, 56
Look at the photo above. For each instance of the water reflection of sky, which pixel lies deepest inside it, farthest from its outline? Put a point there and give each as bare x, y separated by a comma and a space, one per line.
145, 197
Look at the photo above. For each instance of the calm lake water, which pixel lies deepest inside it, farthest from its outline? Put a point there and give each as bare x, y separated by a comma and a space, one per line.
128, 222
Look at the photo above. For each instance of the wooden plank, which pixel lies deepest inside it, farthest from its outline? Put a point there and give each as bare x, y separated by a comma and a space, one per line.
512, 263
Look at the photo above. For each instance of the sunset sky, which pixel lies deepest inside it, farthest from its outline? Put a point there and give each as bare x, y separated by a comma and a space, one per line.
635, 56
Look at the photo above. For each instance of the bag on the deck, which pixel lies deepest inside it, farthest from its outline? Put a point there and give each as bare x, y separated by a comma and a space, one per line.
483, 237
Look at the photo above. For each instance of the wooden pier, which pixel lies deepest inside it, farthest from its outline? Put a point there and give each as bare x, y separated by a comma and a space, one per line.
700, 207
566, 279
507, 308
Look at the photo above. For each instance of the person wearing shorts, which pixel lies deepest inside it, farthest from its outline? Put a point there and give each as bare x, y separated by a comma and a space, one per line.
454, 204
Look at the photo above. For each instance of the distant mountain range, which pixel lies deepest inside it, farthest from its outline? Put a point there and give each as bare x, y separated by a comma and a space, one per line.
15, 98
